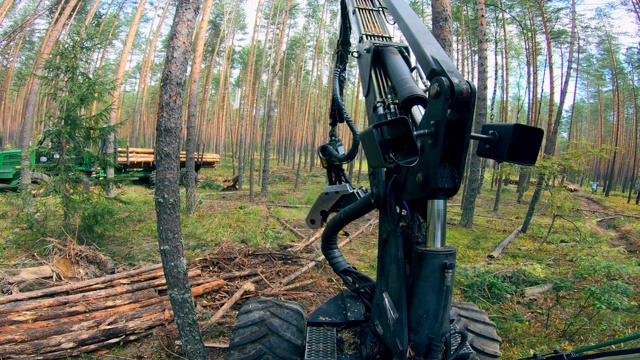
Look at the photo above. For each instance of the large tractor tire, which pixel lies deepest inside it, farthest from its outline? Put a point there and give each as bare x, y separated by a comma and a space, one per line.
152, 178
79, 184
39, 183
268, 329
482, 334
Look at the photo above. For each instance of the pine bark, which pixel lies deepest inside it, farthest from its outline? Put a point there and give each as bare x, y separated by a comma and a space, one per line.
442, 24
273, 98
192, 112
48, 42
617, 116
634, 184
115, 99
552, 135
138, 136
4, 8
474, 179
167, 195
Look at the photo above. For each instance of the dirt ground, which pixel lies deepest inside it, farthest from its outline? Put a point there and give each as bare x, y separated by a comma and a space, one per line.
604, 220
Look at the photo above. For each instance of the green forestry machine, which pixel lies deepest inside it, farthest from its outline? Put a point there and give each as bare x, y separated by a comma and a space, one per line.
420, 119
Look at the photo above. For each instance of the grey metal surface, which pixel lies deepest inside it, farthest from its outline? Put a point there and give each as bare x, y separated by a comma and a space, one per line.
321, 343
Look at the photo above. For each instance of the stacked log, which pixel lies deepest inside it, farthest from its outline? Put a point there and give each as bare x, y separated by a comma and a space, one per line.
571, 187
89, 315
147, 156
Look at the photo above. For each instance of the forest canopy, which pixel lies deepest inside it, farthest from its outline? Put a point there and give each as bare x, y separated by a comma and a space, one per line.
263, 88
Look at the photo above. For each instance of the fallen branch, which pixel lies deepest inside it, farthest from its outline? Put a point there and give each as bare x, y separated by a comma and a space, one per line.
247, 286
302, 245
288, 227
143, 320
26, 274
76, 286
91, 320
67, 310
208, 345
614, 214
289, 287
287, 206
312, 264
537, 290
607, 218
498, 250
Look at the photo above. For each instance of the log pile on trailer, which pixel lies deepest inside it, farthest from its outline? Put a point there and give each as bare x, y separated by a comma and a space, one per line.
145, 157
141, 163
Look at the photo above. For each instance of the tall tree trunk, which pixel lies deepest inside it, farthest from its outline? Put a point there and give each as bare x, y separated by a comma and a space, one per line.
256, 109
505, 96
6, 91
532, 85
140, 110
248, 98
167, 195
634, 185
474, 179
617, 116
462, 63
192, 111
217, 127
115, 100
570, 136
273, 98
48, 42
442, 24
550, 144
306, 122
552, 88
4, 8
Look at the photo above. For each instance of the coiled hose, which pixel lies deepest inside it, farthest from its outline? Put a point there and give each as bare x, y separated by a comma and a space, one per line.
359, 283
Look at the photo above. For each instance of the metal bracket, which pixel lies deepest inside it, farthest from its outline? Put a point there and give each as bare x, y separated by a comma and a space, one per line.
332, 199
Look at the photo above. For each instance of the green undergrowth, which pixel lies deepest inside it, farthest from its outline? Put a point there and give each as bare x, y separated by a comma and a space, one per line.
590, 271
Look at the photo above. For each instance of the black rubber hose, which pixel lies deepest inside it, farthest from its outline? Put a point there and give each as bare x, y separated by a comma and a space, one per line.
342, 114
349, 214
339, 111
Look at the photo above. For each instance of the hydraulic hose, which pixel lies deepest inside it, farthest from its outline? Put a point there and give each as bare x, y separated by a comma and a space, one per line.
349, 214
338, 111
342, 114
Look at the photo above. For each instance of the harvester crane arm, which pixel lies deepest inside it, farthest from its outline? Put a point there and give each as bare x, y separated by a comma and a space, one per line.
419, 128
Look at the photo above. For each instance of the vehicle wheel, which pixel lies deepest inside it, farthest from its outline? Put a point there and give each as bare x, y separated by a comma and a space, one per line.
152, 178
79, 184
268, 329
482, 334
39, 183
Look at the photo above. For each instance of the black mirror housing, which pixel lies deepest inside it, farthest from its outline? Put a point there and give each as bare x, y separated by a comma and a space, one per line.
513, 143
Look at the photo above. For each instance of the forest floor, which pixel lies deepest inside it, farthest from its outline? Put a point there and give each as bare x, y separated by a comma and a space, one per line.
620, 235
590, 260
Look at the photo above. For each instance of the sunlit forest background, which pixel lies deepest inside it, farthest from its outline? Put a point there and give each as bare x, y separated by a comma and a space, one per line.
266, 64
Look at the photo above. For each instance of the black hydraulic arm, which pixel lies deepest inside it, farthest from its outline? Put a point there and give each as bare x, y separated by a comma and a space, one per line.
416, 142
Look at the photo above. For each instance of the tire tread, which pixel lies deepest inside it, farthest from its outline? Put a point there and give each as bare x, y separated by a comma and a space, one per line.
268, 329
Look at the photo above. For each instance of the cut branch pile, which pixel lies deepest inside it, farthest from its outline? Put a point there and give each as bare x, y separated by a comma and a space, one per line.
89, 315
94, 314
